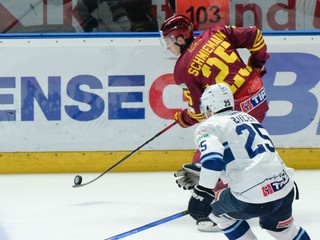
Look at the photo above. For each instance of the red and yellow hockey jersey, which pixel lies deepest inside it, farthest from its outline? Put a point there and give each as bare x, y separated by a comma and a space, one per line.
213, 58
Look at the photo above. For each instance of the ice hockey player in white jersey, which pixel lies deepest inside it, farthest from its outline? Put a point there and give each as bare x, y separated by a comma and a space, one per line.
237, 149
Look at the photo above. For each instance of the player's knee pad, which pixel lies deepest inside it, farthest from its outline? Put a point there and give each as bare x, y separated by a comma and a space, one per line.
294, 232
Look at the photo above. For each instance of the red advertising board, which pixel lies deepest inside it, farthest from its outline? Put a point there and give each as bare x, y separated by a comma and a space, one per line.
204, 13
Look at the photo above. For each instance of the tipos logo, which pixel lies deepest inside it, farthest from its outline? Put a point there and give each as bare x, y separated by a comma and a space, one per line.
279, 182
252, 102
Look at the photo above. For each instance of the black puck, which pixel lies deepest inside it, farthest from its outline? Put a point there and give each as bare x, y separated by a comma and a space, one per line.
77, 180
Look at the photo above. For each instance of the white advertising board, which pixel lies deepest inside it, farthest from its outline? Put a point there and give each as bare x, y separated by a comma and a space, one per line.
103, 94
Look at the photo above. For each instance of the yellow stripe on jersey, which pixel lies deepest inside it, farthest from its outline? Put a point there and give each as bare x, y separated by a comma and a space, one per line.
258, 42
199, 117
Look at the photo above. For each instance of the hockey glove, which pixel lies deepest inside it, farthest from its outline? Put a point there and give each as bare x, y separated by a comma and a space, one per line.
200, 201
187, 118
189, 176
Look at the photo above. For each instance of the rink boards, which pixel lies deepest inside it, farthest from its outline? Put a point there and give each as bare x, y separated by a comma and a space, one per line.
143, 161
73, 103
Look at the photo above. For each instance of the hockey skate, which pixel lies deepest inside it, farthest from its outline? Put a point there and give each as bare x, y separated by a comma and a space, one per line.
206, 225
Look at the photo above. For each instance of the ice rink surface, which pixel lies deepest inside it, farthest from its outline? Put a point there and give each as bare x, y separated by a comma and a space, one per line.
46, 206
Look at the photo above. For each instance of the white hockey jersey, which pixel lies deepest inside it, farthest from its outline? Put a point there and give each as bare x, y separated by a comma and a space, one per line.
237, 149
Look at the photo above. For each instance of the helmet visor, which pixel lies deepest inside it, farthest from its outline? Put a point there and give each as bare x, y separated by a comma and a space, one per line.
166, 41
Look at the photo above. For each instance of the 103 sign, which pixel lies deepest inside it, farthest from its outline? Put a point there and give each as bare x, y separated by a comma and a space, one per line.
205, 13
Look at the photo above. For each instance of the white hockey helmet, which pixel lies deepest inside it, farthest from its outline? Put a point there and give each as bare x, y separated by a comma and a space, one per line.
216, 98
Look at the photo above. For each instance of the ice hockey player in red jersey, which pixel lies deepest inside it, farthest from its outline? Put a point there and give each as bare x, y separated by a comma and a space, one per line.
212, 58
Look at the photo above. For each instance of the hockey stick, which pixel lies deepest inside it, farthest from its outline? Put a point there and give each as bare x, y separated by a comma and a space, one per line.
149, 225
78, 178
